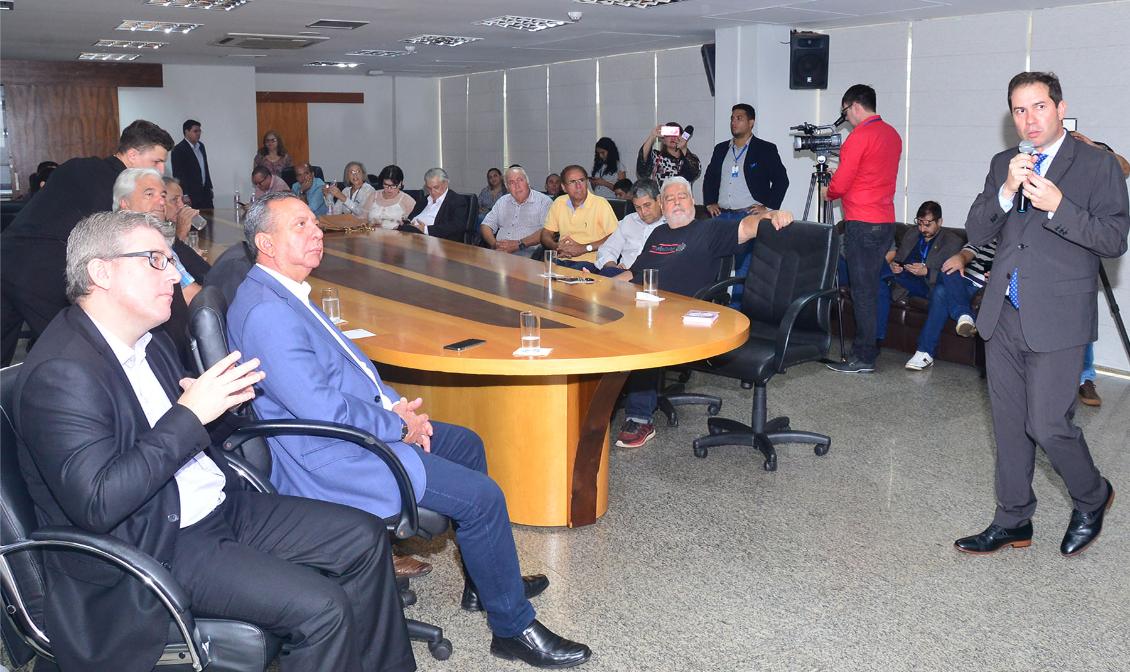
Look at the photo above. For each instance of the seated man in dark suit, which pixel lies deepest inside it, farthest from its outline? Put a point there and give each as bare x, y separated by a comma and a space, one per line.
439, 211
111, 444
315, 372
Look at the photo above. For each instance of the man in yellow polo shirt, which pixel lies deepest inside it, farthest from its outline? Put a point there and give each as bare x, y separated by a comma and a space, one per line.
584, 220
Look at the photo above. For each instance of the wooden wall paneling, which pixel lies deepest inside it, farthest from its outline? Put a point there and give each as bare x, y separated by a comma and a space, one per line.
80, 73
289, 121
308, 97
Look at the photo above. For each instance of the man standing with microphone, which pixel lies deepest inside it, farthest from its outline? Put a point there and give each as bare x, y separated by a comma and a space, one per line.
1055, 211
865, 180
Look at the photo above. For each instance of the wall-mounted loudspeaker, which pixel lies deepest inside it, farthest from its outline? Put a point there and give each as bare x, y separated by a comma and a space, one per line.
708, 64
808, 61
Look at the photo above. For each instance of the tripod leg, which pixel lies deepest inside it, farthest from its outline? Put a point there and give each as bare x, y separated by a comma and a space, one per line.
1114, 310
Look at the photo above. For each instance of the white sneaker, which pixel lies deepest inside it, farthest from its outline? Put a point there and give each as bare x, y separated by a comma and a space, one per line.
919, 361
966, 327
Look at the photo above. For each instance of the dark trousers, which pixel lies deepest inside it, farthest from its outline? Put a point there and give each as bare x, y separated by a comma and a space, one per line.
641, 391
866, 246
458, 487
33, 289
1033, 397
951, 298
315, 573
914, 285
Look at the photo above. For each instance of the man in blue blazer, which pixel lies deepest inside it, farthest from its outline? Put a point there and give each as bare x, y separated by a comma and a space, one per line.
745, 177
315, 372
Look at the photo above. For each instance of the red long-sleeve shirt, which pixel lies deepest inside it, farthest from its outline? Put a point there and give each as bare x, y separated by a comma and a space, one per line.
869, 166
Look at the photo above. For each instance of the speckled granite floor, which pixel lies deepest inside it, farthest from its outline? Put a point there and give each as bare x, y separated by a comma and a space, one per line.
836, 563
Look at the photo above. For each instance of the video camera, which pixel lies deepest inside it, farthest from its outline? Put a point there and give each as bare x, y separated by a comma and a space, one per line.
817, 139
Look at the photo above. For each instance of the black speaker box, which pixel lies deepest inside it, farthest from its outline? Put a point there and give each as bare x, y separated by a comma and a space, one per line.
808, 61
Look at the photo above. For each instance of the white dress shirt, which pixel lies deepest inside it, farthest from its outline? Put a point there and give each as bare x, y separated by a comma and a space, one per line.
1045, 166
627, 241
199, 482
199, 159
428, 216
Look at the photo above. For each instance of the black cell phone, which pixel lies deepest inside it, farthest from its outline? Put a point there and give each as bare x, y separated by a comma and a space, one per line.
465, 344
576, 281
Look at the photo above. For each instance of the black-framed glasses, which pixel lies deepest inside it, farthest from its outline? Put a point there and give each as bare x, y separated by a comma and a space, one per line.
919, 221
157, 259
389, 185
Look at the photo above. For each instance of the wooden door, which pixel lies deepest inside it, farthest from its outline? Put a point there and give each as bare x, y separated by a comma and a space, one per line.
288, 120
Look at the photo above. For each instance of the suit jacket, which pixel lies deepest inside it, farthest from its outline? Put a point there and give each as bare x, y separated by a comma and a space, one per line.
945, 245
310, 376
451, 220
1058, 257
765, 175
187, 169
92, 461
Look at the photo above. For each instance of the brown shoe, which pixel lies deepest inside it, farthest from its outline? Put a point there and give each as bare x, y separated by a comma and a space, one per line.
1089, 395
408, 567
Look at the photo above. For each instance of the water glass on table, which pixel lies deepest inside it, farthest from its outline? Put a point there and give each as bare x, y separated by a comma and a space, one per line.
530, 325
331, 304
550, 262
193, 240
651, 281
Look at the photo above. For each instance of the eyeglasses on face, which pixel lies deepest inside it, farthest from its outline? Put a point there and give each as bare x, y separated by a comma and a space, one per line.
576, 183
157, 259
390, 185
921, 221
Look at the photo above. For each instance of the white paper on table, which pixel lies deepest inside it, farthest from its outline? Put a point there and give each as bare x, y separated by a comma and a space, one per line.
650, 298
552, 276
355, 334
532, 352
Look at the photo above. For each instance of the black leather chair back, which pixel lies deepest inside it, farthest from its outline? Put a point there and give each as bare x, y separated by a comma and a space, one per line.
22, 573
471, 234
287, 175
230, 269
619, 207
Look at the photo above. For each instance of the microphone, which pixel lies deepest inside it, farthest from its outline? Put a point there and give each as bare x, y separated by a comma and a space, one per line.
1029, 148
687, 133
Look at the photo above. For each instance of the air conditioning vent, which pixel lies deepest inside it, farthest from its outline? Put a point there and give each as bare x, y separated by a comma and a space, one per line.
257, 41
340, 24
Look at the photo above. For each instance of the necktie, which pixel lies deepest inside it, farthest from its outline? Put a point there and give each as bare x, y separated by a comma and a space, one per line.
1014, 278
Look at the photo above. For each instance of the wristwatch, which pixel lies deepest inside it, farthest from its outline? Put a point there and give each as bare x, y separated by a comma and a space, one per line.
404, 432
522, 245
588, 248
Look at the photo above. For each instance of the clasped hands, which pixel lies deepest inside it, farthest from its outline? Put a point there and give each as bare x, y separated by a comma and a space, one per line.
1040, 191
419, 426
568, 248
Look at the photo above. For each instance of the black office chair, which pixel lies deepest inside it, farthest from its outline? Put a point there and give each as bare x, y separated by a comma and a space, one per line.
247, 444
788, 298
220, 644
287, 175
471, 234
230, 269
620, 207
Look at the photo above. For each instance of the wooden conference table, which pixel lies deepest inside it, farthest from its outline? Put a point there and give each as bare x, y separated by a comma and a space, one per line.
545, 420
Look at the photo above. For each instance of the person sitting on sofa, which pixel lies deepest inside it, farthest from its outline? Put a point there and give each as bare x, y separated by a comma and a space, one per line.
963, 275
912, 268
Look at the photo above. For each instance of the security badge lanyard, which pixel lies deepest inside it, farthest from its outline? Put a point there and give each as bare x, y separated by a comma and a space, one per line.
737, 159
924, 248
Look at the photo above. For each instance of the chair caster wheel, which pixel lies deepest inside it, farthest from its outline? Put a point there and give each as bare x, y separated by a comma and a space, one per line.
684, 376
713, 409
714, 431
770, 464
673, 420
440, 650
407, 597
821, 449
699, 451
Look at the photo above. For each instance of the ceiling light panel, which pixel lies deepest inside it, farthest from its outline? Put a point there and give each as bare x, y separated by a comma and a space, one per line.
332, 64
102, 56
339, 24
639, 4
382, 53
441, 40
527, 23
129, 44
157, 26
222, 5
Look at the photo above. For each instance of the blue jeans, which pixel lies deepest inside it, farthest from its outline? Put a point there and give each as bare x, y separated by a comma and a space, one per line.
642, 395
458, 487
1088, 365
866, 245
950, 300
913, 284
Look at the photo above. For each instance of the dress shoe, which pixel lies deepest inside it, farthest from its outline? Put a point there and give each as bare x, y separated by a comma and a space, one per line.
994, 538
1088, 395
1084, 528
533, 585
407, 567
538, 646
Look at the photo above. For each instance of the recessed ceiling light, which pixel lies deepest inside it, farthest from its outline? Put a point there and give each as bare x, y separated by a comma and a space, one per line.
528, 23
639, 4
332, 64
383, 53
130, 44
102, 56
341, 24
245, 56
441, 40
224, 5
157, 26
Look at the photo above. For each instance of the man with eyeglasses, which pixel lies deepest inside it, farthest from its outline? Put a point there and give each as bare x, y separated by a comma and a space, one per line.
113, 441
178, 217
912, 269
865, 182
266, 183
309, 187
583, 221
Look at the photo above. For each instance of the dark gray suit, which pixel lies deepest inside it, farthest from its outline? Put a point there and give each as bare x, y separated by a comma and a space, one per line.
1034, 354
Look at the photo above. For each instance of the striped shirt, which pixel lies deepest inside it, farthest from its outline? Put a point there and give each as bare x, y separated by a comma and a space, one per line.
982, 262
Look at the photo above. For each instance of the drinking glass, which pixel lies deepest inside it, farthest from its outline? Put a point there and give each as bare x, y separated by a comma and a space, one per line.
651, 280
198, 222
550, 262
331, 304
530, 325
193, 239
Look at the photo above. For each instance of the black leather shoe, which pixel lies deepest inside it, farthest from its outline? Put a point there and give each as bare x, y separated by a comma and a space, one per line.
534, 585
538, 646
994, 538
1084, 528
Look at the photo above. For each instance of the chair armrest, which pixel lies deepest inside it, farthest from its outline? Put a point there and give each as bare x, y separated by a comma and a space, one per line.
144, 568
717, 290
409, 515
785, 330
255, 478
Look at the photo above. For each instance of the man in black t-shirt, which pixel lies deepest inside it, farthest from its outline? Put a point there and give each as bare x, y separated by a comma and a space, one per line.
686, 252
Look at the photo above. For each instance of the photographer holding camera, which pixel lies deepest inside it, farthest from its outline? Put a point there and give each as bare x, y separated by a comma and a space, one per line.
865, 182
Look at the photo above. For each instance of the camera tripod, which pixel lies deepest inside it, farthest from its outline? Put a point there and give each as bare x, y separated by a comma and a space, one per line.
1114, 311
821, 177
